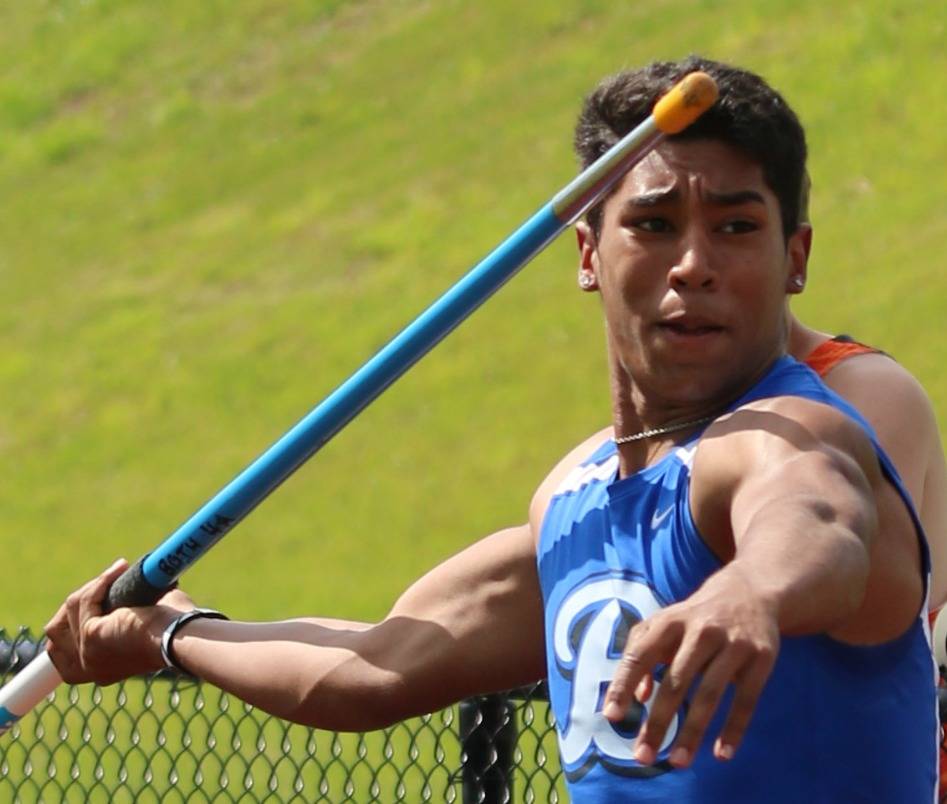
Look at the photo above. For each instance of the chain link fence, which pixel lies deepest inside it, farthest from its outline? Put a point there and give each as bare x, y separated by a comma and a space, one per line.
165, 738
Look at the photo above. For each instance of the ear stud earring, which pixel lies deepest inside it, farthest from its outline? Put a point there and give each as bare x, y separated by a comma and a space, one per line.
586, 280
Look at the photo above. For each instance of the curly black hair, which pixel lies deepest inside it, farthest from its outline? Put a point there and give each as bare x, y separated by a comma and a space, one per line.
748, 115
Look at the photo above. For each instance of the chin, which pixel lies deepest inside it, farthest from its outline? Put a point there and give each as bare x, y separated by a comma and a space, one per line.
691, 388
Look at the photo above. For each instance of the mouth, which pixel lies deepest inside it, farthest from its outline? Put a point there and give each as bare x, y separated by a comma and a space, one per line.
690, 327
691, 330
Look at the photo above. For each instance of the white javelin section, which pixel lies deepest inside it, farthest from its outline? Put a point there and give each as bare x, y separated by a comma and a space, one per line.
28, 687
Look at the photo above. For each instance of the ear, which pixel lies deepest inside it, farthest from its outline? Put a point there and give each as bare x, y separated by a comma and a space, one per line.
588, 257
797, 256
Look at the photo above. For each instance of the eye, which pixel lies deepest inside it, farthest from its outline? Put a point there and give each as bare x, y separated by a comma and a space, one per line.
652, 225
739, 226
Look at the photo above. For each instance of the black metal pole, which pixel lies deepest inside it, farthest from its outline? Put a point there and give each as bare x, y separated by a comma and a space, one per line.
488, 739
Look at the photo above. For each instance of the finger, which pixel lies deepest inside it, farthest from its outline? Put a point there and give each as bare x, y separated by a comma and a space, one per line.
61, 645
92, 595
645, 648
691, 658
75, 600
717, 676
644, 689
748, 690
64, 661
88, 602
71, 611
57, 624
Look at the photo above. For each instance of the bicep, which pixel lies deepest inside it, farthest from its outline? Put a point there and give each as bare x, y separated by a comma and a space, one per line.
474, 623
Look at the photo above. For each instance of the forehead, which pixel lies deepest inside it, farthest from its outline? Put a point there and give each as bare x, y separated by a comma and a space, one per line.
695, 165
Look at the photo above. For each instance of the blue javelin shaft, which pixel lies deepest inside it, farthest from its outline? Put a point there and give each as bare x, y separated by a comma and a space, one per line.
208, 525
159, 570
151, 576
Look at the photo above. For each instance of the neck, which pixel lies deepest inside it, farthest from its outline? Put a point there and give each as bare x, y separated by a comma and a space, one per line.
646, 427
802, 339
643, 432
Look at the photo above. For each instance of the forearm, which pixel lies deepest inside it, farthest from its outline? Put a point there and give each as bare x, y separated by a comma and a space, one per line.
324, 673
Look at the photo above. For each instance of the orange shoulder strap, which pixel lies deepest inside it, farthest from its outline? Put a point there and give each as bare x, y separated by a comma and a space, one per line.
827, 355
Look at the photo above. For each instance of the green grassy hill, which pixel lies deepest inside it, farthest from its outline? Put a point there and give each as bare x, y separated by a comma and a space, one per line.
212, 213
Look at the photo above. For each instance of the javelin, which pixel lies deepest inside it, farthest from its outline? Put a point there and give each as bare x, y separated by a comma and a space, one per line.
155, 573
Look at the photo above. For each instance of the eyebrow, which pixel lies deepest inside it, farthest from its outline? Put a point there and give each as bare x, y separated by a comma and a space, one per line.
654, 199
660, 197
735, 199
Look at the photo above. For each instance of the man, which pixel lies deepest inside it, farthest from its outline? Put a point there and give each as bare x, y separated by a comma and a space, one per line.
739, 549
902, 416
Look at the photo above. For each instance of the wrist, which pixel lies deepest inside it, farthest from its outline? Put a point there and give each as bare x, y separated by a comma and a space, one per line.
752, 589
173, 628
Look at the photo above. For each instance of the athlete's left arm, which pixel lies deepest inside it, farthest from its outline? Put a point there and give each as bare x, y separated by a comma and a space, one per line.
789, 495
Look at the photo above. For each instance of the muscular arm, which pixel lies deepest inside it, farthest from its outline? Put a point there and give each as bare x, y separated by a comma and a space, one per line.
805, 498
788, 494
473, 624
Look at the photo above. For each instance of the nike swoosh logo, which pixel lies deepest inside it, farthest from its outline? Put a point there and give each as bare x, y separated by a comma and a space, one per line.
658, 518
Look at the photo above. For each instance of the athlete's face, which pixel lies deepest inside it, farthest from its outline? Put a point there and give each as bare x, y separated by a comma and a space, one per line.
693, 268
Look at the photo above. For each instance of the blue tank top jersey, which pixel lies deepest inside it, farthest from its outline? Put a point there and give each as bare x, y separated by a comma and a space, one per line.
836, 723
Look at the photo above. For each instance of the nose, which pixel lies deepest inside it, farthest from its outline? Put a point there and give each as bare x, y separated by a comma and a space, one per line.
694, 266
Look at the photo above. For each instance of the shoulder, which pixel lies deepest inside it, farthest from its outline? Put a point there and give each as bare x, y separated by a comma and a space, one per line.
758, 442
860, 377
776, 449
896, 406
552, 481
758, 429
887, 395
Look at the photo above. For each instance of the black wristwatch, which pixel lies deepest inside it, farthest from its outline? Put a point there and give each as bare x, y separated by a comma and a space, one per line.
167, 638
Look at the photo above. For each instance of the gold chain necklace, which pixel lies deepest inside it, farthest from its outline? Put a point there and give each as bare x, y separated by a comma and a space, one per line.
657, 431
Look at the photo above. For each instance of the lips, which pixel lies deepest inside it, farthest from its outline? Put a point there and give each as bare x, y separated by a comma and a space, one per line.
692, 329
690, 325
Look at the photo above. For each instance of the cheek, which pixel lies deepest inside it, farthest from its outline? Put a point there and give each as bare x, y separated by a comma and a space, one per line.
762, 300
630, 273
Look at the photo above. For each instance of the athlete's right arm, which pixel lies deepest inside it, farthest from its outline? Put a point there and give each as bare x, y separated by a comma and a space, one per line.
472, 624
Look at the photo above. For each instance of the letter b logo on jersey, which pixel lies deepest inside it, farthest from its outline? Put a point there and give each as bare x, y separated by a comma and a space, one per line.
589, 633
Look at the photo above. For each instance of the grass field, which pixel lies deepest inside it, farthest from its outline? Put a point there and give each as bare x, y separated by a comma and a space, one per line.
214, 212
